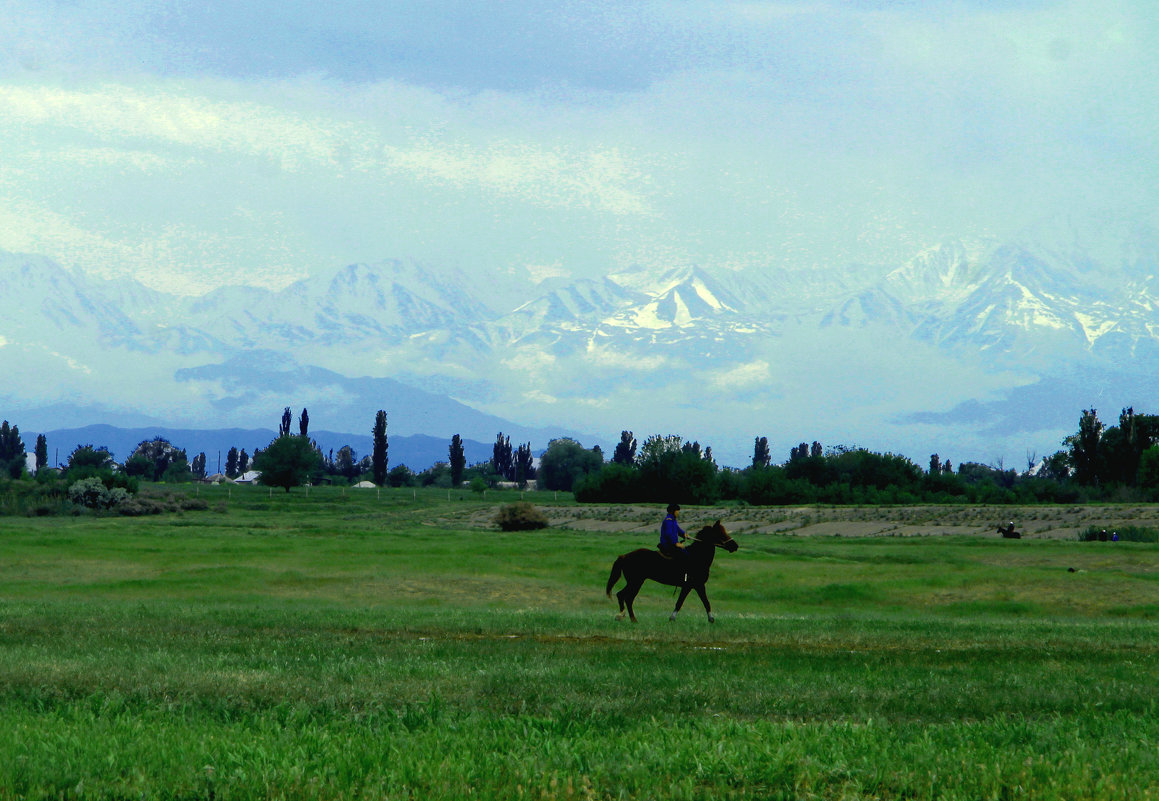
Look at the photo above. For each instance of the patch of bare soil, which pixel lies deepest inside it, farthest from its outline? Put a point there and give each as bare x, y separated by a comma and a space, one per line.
1058, 522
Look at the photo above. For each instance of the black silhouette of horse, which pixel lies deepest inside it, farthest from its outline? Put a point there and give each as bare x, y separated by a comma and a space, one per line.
1009, 533
688, 572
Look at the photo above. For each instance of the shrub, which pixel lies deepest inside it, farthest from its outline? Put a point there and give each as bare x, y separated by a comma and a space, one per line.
520, 516
90, 493
136, 507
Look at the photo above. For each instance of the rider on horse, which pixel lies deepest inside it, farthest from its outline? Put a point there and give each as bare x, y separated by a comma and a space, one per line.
671, 533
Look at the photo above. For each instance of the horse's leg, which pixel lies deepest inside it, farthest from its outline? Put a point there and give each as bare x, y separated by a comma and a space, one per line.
626, 596
629, 595
620, 598
684, 590
704, 600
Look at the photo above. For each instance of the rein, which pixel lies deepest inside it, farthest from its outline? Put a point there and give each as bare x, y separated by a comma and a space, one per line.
720, 544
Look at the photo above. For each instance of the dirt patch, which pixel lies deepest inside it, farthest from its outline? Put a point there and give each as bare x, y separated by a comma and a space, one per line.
1035, 522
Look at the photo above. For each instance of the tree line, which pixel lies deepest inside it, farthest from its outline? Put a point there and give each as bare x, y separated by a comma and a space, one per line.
1097, 462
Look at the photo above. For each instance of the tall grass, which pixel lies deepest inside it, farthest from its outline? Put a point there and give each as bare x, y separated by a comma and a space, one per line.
367, 646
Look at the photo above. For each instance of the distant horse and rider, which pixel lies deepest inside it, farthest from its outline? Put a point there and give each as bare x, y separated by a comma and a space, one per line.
683, 567
1008, 532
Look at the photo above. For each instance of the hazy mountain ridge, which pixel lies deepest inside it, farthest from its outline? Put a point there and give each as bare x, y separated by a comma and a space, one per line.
417, 452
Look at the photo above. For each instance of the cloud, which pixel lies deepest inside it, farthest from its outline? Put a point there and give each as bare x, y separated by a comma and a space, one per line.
611, 359
744, 376
529, 360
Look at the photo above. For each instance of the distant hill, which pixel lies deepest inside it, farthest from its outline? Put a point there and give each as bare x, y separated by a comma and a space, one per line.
417, 451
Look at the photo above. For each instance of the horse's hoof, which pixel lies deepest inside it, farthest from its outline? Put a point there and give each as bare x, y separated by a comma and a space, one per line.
672, 618
620, 616
711, 619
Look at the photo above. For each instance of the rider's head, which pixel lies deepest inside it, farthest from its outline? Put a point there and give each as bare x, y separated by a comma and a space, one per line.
673, 508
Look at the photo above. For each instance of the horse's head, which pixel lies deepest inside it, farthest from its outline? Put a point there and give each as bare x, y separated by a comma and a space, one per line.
718, 536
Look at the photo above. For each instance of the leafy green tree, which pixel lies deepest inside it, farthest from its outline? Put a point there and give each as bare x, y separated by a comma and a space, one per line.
761, 455
564, 462
178, 472
140, 466
41, 452
243, 462
654, 449
198, 466
1083, 448
88, 462
1148, 478
458, 460
1056, 467
152, 457
625, 452
400, 476
613, 483
88, 457
284, 427
303, 423
437, 475
346, 463
671, 470
379, 459
288, 462
231, 461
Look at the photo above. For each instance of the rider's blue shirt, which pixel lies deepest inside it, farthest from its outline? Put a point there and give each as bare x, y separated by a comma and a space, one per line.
670, 531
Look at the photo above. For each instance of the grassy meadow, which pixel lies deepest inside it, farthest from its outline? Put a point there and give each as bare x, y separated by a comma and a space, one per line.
365, 644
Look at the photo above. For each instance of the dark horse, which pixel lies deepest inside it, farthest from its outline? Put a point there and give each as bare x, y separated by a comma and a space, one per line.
1009, 533
689, 572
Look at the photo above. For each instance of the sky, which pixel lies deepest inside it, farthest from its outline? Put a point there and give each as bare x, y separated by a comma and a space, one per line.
194, 144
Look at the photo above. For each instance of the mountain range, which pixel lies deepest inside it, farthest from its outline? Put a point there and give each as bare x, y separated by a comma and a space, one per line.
974, 347
417, 451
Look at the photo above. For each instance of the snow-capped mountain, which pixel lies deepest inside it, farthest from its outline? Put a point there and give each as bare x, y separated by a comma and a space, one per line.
45, 301
673, 344
356, 303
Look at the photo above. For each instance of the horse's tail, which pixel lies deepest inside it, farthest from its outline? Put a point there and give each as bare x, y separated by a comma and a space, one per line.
617, 571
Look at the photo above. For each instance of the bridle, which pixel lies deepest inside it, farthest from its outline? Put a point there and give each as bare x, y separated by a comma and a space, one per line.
719, 544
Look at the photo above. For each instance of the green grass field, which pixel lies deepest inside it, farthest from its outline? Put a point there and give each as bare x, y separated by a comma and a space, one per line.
377, 645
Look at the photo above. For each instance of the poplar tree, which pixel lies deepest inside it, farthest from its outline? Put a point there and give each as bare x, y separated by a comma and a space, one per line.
625, 452
502, 462
761, 455
378, 460
524, 464
458, 460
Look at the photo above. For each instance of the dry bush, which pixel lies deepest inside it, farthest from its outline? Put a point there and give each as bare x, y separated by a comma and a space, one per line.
520, 516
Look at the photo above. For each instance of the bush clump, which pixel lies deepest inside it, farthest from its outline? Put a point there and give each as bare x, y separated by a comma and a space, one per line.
92, 494
520, 516
161, 504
